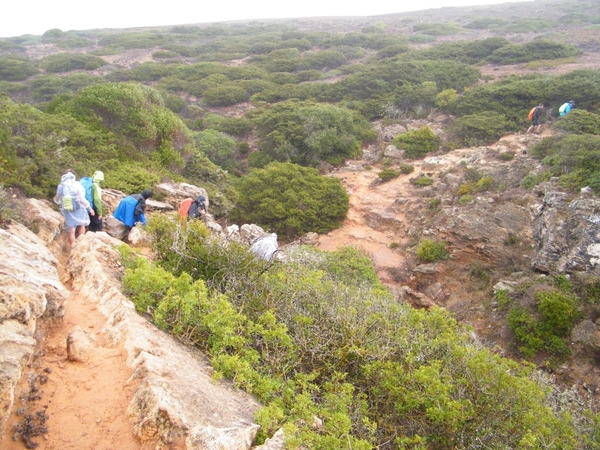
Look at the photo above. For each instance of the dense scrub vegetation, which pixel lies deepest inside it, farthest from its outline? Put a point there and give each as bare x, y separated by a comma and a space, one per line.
319, 336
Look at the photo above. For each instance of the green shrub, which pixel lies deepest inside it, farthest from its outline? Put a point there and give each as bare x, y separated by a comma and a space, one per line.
388, 174
306, 133
548, 327
479, 129
290, 200
579, 122
430, 250
14, 68
504, 299
506, 156
66, 62
533, 179
417, 143
406, 168
532, 51
434, 203
438, 29
423, 180
465, 199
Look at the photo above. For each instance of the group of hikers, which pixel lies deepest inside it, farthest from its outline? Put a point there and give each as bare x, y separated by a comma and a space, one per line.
536, 111
80, 203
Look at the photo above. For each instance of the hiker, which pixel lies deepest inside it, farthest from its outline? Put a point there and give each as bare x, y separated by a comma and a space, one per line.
534, 115
93, 194
565, 108
192, 208
70, 196
132, 209
197, 207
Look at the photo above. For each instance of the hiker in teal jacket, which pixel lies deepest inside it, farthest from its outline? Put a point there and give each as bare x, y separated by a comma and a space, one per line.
565, 108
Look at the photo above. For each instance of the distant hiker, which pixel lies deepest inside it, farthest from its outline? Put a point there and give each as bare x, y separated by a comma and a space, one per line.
132, 209
192, 208
534, 116
70, 196
197, 207
565, 108
93, 194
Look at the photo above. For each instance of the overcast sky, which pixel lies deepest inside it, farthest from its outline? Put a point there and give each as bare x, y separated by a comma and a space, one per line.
20, 17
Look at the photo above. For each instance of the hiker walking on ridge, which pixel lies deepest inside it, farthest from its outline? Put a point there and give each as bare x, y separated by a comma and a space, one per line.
93, 194
534, 116
565, 108
132, 209
70, 196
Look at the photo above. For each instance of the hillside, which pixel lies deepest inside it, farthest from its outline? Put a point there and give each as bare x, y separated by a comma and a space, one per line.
421, 118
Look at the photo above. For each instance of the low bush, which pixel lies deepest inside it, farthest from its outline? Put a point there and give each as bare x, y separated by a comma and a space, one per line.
406, 168
67, 62
389, 174
480, 129
430, 250
423, 180
579, 121
417, 143
548, 327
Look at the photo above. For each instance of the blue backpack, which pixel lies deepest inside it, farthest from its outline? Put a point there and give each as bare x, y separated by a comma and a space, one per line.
86, 182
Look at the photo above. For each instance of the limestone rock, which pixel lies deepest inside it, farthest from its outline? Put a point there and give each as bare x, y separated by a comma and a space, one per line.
174, 193
277, 442
114, 227
80, 345
310, 239
27, 265
40, 216
567, 235
382, 220
416, 299
250, 233
16, 347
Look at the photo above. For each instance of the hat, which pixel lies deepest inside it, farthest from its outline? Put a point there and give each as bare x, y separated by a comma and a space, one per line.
147, 193
571, 102
98, 176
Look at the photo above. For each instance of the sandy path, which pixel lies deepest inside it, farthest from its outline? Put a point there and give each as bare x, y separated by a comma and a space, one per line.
84, 404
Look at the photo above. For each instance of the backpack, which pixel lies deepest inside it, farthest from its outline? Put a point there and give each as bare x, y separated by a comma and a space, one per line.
196, 206
531, 113
68, 199
562, 108
184, 207
86, 182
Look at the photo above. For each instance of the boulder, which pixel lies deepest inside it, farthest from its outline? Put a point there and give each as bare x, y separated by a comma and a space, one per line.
80, 345
567, 235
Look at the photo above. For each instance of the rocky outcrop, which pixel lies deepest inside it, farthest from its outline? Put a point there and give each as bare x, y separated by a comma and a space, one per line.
567, 234
29, 288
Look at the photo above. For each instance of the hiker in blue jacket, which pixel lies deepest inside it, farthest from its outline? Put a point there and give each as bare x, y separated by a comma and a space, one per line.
132, 209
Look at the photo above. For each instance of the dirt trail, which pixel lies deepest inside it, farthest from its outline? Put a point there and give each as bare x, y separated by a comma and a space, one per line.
82, 405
